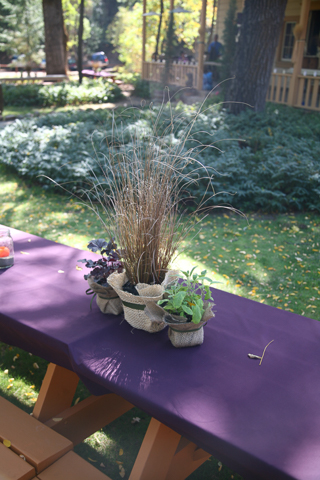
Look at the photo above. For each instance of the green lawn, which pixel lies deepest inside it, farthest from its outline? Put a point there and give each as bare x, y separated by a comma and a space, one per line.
10, 110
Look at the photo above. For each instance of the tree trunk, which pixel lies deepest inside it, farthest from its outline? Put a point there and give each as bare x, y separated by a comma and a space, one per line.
55, 38
260, 30
80, 34
159, 30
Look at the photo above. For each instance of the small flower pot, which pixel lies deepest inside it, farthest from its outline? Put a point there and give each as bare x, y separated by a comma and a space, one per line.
186, 335
181, 332
107, 299
134, 305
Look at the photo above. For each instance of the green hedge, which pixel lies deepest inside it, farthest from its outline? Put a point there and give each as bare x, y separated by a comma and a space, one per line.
276, 168
61, 94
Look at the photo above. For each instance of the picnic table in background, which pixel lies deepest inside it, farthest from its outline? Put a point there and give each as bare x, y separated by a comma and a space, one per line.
102, 74
263, 421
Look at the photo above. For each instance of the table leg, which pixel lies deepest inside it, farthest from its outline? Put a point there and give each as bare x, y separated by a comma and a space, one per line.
156, 453
187, 459
165, 455
79, 421
82, 420
56, 393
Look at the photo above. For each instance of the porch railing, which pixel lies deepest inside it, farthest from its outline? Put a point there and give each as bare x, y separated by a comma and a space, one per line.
308, 92
278, 91
181, 74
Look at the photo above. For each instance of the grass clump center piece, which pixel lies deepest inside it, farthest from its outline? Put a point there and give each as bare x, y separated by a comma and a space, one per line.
142, 198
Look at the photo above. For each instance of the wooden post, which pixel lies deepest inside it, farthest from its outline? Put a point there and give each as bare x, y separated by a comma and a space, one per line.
202, 32
80, 35
56, 393
300, 41
144, 37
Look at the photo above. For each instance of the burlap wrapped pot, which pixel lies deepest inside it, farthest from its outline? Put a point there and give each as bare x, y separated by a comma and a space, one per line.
134, 305
181, 332
107, 299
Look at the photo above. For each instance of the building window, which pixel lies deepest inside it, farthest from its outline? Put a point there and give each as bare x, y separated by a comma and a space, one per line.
288, 41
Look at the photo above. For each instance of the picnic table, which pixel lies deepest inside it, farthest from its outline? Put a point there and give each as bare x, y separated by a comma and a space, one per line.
263, 421
102, 74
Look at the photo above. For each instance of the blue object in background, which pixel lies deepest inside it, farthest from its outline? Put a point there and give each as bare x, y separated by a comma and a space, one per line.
207, 81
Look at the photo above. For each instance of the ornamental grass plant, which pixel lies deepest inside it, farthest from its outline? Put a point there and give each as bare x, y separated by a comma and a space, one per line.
142, 195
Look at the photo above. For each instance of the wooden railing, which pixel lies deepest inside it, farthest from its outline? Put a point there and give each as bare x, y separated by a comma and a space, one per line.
181, 74
278, 91
308, 93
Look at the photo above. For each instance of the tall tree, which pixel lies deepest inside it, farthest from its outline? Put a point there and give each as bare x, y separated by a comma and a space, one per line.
259, 36
55, 37
80, 34
229, 44
159, 30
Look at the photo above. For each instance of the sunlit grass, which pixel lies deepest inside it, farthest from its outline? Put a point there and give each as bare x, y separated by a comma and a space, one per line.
12, 110
268, 258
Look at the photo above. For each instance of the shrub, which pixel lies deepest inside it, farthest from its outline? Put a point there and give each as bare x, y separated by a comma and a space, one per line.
276, 168
61, 94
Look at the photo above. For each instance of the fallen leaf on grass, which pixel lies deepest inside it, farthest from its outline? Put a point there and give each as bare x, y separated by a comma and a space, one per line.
35, 365
118, 462
91, 460
135, 420
120, 452
122, 471
77, 401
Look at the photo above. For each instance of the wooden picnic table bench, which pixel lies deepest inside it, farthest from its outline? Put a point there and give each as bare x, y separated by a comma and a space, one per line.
31, 450
46, 78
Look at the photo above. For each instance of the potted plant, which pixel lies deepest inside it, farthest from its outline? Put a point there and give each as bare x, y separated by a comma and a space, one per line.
107, 299
185, 308
140, 192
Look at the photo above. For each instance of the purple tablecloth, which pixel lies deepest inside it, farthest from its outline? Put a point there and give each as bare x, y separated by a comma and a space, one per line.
263, 421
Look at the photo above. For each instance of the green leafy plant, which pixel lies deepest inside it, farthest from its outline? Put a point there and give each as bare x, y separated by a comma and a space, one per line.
185, 297
61, 94
275, 170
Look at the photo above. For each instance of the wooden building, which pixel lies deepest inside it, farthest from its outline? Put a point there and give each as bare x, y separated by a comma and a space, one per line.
296, 73
295, 80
